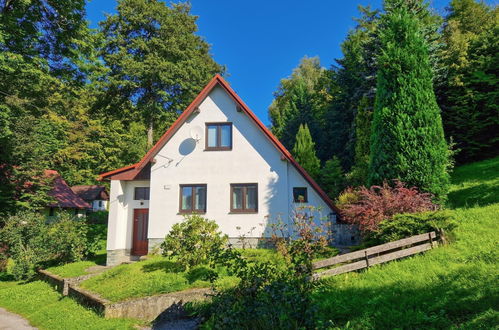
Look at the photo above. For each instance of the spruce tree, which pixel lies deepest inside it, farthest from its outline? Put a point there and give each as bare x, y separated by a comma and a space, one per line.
407, 141
304, 152
300, 99
332, 178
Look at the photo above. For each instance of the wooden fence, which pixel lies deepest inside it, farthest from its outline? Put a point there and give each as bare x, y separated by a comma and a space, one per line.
376, 255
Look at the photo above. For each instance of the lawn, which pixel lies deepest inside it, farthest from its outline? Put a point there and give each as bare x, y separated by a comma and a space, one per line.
79, 268
46, 309
158, 275
452, 286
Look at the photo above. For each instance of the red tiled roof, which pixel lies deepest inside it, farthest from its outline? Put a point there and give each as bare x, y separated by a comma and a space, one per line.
91, 192
62, 193
130, 172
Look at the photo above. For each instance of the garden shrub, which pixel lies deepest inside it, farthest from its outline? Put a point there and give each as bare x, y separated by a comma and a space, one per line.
67, 239
272, 295
32, 242
193, 241
373, 205
3, 258
406, 225
98, 217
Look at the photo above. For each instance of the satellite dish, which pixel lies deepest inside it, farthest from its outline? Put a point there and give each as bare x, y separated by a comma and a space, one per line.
196, 133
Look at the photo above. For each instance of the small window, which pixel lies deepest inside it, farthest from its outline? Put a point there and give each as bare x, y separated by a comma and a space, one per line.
100, 203
193, 198
219, 136
300, 195
141, 193
244, 197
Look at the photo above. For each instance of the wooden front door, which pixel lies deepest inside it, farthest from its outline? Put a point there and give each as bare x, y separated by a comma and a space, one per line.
140, 223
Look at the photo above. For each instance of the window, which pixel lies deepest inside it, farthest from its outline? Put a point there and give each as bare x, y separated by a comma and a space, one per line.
244, 197
219, 136
100, 203
51, 212
141, 193
300, 195
192, 198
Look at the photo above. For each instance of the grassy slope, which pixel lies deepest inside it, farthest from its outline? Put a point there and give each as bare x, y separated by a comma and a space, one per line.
75, 269
47, 309
452, 286
158, 275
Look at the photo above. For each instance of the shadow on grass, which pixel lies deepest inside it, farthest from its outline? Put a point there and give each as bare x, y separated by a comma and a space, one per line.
476, 184
99, 259
6, 277
479, 195
460, 297
166, 265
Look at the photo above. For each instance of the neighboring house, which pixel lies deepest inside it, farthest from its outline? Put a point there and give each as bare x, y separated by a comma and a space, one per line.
217, 160
95, 195
65, 198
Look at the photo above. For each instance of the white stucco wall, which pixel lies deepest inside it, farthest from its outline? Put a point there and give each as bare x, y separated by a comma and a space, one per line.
121, 206
253, 159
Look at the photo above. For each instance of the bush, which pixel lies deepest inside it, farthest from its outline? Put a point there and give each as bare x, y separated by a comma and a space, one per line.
67, 239
193, 241
369, 207
32, 242
3, 258
98, 217
406, 225
270, 294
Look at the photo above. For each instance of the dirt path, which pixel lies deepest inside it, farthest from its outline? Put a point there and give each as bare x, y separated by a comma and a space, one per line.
11, 321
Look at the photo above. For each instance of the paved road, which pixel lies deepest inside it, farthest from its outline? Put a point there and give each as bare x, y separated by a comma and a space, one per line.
11, 321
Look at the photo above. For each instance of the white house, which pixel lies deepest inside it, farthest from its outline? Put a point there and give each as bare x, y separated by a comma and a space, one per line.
218, 160
96, 196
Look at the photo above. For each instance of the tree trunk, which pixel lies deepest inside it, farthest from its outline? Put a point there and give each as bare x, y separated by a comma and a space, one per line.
150, 134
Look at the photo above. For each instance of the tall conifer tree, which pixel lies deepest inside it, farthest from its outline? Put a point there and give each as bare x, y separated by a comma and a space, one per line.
407, 141
304, 152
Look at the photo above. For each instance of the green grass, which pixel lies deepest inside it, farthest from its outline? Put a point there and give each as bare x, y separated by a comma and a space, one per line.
475, 184
158, 275
452, 286
73, 269
46, 309
79, 268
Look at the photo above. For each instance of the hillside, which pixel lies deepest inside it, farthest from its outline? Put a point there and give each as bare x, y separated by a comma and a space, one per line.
452, 286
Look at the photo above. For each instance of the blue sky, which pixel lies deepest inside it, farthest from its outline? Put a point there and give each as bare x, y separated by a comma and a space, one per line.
260, 42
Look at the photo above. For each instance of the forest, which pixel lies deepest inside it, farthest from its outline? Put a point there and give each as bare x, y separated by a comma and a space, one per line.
413, 94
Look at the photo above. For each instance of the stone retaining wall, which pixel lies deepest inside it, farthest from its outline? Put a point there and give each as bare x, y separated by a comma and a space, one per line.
147, 308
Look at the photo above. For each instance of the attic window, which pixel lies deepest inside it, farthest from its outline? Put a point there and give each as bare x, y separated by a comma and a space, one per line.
218, 136
300, 195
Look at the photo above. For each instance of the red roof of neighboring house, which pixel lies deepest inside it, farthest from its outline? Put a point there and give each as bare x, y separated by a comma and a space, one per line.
62, 193
132, 171
91, 192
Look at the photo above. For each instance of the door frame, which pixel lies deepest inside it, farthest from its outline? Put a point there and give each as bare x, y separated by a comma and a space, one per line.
136, 250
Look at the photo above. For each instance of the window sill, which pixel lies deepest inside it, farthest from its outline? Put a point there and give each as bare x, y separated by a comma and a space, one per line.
243, 212
190, 212
217, 149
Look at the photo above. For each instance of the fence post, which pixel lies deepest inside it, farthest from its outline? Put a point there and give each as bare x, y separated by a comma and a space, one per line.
431, 240
367, 259
441, 232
